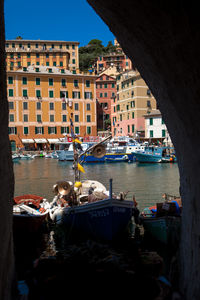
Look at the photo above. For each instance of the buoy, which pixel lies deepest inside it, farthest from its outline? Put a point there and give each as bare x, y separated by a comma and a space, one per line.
78, 184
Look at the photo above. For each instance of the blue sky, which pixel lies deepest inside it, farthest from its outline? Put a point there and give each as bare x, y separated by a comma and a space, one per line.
63, 20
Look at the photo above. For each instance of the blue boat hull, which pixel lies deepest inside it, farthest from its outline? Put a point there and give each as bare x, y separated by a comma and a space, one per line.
109, 156
148, 158
164, 229
104, 219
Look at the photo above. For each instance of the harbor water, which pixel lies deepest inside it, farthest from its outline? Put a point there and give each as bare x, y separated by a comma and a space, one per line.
38, 261
146, 181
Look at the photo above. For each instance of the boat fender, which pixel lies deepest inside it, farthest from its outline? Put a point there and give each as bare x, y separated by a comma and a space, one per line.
78, 184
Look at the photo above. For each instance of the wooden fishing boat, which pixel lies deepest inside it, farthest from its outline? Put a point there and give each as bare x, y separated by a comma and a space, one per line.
104, 217
163, 221
29, 213
87, 206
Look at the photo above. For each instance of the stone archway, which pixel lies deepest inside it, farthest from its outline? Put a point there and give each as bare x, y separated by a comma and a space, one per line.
7, 181
163, 40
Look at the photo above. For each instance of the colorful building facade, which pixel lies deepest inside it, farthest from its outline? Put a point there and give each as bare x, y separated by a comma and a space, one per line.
105, 91
133, 100
155, 128
24, 53
117, 59
42, 100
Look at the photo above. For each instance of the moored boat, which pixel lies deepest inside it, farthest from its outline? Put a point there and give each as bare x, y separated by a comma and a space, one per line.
88, 207
109, 157
155, 154
95, 212
26, 156
119, 149
162, 221
15, 157
29, 213
124, 158
51, 155
67, 154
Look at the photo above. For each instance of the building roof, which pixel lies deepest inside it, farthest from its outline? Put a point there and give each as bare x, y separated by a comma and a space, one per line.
103, 74
30, 50
153, 113
43, 70
42, 41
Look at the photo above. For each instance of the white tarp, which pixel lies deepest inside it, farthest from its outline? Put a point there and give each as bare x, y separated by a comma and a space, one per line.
27, 141
53, 141
40, 141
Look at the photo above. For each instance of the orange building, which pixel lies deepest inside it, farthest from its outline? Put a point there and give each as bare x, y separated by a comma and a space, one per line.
41, 101
24, 53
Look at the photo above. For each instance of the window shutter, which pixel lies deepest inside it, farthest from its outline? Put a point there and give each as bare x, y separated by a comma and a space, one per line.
15, 130
55, 130
73, 95
62, 130
42, 130
79, 95
35, 130
49, 130
66, 94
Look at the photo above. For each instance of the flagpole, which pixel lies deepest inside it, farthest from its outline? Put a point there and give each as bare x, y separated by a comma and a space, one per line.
75, 163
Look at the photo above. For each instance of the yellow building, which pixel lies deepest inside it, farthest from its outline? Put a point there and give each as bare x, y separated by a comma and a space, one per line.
24, 53
42, 100
133, 101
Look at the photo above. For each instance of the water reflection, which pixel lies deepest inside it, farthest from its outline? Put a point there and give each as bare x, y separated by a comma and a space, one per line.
147, 181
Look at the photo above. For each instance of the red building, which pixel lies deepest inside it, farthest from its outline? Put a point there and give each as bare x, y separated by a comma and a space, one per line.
117, 59
105, 91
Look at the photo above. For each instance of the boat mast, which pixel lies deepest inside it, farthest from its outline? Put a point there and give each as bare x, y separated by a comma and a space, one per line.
76, 157
75, 164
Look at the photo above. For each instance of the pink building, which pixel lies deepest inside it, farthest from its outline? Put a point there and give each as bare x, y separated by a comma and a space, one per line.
105, 92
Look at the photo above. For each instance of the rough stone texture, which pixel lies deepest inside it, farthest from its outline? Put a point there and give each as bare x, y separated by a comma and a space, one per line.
6, 182
163, 40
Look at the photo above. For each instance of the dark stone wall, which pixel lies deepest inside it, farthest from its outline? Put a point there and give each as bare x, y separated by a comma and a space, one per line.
6, 181
162, 38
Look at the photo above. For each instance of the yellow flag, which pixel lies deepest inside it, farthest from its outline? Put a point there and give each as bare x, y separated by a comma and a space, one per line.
77, 141
80, 168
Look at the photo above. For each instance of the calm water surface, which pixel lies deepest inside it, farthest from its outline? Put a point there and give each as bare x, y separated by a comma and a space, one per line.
147, 181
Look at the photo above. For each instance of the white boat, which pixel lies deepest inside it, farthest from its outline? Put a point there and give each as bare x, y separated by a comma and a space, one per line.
124, 144
15, 157
29, 213
66, 152
51, 155
26, 156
